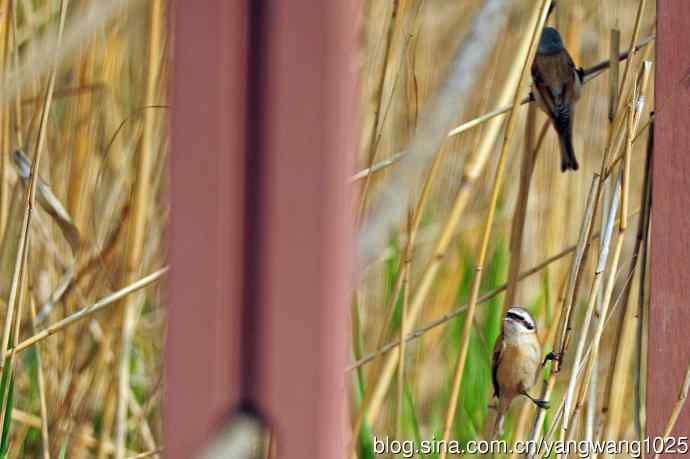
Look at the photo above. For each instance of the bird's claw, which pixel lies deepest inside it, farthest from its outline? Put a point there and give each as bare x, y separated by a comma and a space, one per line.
543, 404
555, 356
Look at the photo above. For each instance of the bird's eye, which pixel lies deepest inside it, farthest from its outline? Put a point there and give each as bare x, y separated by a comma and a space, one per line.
515, 317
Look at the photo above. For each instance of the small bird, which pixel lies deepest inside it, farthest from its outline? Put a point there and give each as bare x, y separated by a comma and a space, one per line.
516, 362
557, 82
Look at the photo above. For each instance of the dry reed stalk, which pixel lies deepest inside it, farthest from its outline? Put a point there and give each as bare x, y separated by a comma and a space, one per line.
98, 88
41, 54
406, 260
476, 162
5, 109
45, 437
15, 64
412, 93
377, 103
152, 453
537, 27
10, 361
634, 115
574, 267
31, 420
596, 340
19, 275
614, 71
632, 119
628, 328
520, 431
591, 305
442, 287
144, 427
78, 191
367, 171
641, 320
614, 397
578, 262
614, 76
519, 216
50, 204
615, 138
591, 409
590, 416
413, 229
628, 62
677, 407
572, 188
104, 441
428, 132
103, 303
142, 198
460, 309
590, 73
611, 150
31, 192
392, 201
537, 429
20, 437
366, 405
401, 353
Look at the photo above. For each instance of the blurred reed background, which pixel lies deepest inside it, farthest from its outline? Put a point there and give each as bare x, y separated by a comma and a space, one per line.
84, 97
426, 270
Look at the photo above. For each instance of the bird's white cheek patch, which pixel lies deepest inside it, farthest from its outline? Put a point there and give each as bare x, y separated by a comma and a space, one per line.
521, 338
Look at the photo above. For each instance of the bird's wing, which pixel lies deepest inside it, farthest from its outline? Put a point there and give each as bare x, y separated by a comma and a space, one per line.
545, 92
571, 64
498, 348
570, 77
555, 79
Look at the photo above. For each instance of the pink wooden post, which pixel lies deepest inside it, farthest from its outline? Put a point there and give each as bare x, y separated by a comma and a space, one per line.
669, 315
263, 133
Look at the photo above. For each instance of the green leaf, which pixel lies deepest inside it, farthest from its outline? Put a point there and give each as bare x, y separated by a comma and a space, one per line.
477, 389
411, 416
63, 451
435, 455
392, 265
357, 346
464, 428
547, 296
5, 440
365, 445
3, 389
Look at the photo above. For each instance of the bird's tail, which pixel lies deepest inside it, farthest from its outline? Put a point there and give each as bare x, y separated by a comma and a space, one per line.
568, 160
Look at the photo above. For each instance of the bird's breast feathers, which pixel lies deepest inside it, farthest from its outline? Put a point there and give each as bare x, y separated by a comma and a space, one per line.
520, 359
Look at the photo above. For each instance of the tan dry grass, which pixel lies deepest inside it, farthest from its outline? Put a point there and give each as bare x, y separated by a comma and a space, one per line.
556, 207
75, 104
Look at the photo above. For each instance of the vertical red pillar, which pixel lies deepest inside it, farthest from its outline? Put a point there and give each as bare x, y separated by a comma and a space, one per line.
669, 315
206, 247
309, 138
263, 141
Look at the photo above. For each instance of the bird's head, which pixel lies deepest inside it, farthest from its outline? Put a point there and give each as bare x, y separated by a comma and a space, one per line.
550, 42
518, 321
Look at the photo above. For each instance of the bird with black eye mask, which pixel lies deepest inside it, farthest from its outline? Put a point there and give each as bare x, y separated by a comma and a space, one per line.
516, 362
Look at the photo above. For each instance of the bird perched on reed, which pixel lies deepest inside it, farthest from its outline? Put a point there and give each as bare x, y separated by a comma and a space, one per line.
516, 362
557, 84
